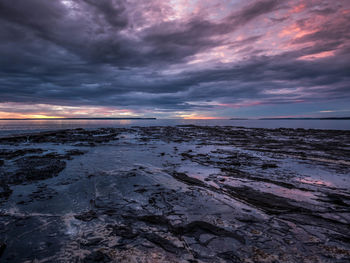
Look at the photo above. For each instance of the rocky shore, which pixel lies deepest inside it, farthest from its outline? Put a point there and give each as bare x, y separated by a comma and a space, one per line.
175, 194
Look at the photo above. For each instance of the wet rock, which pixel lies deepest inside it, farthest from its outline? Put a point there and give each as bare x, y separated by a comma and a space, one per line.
162, 242
152, 200
337, 199
36, 168
230, 171
141, 190
337, 252
75, 152
10, 154
205, 238
110, 212
5, 190
86, 216
197, 228
123, 231
97, 257
91, 242
259, 213
187, 179
155, 219
267, 202
2, 248
230, 256
269, 165
66, 136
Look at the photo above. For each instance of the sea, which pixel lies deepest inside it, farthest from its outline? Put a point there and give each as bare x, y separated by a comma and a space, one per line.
12, 127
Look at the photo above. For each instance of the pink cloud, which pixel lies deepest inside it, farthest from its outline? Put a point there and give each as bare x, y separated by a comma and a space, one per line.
320, 55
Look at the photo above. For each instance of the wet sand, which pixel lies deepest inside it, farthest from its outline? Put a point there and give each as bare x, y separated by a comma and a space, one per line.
175, 194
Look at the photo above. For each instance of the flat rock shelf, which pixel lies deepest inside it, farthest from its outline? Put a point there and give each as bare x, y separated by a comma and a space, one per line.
175, 194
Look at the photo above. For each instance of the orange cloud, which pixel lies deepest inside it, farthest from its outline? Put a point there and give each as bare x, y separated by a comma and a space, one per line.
45, 111
7, 115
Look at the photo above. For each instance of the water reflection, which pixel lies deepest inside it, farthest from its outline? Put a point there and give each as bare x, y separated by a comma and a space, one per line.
313, 181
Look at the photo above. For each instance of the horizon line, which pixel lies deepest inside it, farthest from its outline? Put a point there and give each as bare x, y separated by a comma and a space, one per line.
154, 118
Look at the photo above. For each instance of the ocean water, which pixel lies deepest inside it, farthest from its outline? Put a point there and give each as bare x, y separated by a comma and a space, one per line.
8, 127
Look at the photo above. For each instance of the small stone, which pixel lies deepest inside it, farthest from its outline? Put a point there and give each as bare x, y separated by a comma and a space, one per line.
269, 165
87, 216
2, 248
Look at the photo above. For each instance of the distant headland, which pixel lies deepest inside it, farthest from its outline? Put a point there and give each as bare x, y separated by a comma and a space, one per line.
325, 118
126, 118
305, 118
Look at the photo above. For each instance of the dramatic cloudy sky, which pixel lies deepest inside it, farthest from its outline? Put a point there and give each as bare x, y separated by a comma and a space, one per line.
175, 58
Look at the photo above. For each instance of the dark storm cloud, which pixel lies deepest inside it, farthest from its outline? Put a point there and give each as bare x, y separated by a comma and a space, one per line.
122, 53
256, 9
196, 33
112, 11
99, 40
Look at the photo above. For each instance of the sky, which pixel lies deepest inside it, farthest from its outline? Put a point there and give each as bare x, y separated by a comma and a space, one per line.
174, 59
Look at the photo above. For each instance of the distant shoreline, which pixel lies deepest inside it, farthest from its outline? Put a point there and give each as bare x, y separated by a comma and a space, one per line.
329, 118
30, 119
278, 119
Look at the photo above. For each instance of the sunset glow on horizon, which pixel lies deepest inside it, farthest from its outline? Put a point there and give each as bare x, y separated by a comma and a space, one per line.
174, 59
